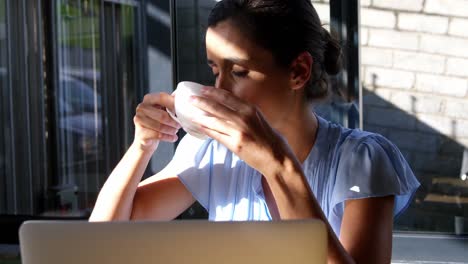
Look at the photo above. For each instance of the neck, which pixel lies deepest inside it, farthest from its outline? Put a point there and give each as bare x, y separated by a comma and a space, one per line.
299, 127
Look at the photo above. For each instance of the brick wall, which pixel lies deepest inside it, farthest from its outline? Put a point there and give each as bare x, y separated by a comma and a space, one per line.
414, 58
414, 74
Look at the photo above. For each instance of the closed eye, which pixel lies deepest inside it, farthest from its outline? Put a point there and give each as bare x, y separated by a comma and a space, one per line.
240, 73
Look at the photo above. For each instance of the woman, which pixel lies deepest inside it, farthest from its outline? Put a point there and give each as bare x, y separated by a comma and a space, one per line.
269, 157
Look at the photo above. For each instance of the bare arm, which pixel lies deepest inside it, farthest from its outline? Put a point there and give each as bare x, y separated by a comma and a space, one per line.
115, 199
162, 196
124, 197
366, 229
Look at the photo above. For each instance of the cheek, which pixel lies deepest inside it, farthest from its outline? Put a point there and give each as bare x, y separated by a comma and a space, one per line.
263, 93
264, 89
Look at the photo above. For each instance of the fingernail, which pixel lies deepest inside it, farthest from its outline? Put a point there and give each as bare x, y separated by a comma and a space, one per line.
205, 90
193, 98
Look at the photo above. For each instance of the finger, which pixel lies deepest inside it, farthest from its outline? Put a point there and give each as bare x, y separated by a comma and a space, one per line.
163, 99
168, 138
155, 125
214, 123
149, 133
225, 97
160, 115
218, 136
214, 108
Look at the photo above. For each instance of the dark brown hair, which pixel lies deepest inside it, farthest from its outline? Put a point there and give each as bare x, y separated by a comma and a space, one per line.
286, 28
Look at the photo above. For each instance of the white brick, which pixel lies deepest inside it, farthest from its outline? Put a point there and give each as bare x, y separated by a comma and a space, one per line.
441, 85
453, 46
428, 104
376, 57
364, 32
447, 7
461, 128
459, 27
457, 67
383, 93
414, 103
393, 39
435, 124
419, 62
323, 10
378, 77
407, 5
365, 2
463, 142
377, 18
423, 23
457, 109
404, 101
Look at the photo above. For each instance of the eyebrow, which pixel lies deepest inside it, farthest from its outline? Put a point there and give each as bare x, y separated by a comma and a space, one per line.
231, 59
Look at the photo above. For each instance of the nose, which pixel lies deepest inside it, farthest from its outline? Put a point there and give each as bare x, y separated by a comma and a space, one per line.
222, 82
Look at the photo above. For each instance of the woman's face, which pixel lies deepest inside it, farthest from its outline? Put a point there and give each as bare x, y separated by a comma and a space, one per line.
248, 71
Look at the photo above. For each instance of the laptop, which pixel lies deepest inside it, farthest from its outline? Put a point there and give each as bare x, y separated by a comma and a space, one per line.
189, 241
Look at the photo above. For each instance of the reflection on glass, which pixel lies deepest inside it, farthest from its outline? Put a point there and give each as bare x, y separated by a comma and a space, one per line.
78, 108
3, 108
127, 66
192, 21
89, 91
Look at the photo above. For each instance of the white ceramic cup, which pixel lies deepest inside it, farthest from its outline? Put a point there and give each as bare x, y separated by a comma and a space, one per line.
184, 110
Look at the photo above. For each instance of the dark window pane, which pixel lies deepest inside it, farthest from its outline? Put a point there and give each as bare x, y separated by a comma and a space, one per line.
127, 60
79, 124
191, 21
4, 112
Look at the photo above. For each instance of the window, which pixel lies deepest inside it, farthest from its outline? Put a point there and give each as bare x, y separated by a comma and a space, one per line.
96, 93
78, 108
4, 152
68, 120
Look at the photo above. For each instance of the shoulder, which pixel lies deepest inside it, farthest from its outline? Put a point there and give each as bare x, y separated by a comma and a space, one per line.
361, 150
355, 141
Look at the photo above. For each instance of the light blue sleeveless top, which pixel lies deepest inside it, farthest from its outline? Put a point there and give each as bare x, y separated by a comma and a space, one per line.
343, 164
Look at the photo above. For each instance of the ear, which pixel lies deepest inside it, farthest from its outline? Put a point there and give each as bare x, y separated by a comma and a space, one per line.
301, 70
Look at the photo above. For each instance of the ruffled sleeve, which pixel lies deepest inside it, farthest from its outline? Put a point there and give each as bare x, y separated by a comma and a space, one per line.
372, 166
191, 163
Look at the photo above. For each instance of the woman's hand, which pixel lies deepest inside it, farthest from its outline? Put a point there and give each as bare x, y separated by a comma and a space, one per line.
242, 128
153, 123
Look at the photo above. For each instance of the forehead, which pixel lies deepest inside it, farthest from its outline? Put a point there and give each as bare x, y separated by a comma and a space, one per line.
225, 40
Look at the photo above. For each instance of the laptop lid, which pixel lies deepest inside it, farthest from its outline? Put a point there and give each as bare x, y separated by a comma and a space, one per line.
78, 242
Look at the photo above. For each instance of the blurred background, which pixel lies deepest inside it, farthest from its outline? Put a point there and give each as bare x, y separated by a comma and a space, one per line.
73, 71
